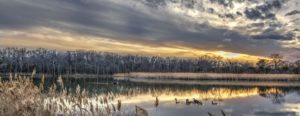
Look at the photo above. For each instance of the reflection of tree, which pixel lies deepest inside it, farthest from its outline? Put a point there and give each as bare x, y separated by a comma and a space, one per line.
132, 89
276, 60
202, 92
276, 95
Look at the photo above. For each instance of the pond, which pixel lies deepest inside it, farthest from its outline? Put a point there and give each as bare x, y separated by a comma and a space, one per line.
233, 100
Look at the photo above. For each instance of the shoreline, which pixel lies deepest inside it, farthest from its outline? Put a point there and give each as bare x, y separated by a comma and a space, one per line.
175, 76
211, 76
74, 76
217, 83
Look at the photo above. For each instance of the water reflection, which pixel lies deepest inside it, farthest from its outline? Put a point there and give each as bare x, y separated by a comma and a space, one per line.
275, 94
178, 99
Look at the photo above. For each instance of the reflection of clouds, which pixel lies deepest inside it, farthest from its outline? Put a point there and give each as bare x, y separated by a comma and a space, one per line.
267, 113
292, 103
170, 95
292, 107
238, 101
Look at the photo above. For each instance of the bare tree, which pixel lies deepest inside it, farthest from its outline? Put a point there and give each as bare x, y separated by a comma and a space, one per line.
92, 62
276, 60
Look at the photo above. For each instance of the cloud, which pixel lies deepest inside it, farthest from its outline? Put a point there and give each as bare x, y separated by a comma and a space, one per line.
155, 3
202, 25
294, 12
255, 14
275, 113
225, 3
263, 11
53, 39
273, 34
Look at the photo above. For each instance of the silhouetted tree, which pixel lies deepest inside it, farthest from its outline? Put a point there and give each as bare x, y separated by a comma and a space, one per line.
21, 60
276, 60
297, 67
262, 65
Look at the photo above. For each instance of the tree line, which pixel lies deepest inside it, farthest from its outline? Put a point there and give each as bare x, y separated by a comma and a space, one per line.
22, 60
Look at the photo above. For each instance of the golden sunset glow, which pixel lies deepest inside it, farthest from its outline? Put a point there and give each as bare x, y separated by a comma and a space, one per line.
214, 94
174, 29
228, 54
150, 57
53, 39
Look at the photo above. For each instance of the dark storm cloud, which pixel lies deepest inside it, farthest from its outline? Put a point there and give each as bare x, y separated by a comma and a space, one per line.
264, 113
229, 16
257, 25
155, 3
263, 11
211, 10
99, 18
225, 3
275, 36
256, 14
161, 3
105, 18
239, 13
272, 34
294, 12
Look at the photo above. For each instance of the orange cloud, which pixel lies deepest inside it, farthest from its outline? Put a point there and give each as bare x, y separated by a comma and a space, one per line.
53, 39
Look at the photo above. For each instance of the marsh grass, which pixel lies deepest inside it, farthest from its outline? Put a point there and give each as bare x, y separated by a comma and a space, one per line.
19, 96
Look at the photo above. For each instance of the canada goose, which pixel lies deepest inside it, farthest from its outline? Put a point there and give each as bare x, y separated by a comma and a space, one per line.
197, 102
214, 103
187, 102
176, 101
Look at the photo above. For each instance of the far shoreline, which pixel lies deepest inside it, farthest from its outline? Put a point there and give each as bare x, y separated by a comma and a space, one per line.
72, 76
210, 76
172, 76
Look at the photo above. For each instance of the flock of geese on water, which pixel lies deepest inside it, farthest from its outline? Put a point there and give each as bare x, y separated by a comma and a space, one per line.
194, 101
142, 112
198, 102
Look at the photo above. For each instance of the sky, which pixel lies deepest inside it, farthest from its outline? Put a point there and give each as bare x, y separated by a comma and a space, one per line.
182, 28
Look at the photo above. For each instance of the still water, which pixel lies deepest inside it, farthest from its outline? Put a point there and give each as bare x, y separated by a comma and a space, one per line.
233, 100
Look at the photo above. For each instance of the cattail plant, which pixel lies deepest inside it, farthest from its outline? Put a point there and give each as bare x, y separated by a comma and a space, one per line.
223, 113
10, 77
119, 105
33, 73
60, 82
156, 104
210, 114
42, 83
114, 108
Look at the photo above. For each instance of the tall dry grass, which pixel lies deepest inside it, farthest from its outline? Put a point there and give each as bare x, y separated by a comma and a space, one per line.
19, 96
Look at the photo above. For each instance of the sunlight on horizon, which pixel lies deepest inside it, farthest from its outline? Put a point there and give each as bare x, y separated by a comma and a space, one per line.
58, 40
228, 54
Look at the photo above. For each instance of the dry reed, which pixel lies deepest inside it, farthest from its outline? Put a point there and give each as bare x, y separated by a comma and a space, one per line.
21, 97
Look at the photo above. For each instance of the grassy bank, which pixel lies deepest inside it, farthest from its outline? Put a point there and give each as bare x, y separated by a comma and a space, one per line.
39, 75
218, 83
21, 97
211, 76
